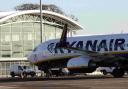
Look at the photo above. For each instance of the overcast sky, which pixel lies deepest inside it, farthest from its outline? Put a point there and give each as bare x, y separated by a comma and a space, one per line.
97, 16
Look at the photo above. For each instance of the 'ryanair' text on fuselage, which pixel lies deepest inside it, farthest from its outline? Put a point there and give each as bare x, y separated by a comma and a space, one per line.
91, 45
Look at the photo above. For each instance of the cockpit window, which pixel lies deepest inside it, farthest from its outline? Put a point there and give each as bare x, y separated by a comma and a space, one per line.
35, 49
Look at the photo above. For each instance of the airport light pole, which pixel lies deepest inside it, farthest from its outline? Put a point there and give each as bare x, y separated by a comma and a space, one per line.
40, 21
41, 28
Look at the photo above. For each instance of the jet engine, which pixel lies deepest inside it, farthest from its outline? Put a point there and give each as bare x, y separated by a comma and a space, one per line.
82, 64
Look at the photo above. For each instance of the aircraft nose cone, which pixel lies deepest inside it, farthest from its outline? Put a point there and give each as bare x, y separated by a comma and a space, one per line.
31, 57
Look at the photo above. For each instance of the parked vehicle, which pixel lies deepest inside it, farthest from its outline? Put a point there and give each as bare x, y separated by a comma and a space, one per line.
21, 71
106, 70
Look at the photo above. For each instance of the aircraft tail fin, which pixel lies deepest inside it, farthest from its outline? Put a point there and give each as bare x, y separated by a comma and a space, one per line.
63, 39
64, 44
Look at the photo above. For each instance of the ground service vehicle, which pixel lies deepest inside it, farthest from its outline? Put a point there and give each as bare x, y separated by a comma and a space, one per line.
21, 71
106, 70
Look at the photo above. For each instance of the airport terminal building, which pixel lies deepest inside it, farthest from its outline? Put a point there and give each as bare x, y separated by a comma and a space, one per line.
20, 34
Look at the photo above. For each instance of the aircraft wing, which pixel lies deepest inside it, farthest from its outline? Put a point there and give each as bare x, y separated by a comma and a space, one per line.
96, 56
93, 54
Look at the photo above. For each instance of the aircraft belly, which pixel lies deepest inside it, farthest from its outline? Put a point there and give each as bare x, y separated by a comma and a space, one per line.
53, 57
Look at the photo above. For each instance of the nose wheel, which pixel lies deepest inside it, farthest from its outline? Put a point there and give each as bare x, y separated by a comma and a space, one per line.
118, 73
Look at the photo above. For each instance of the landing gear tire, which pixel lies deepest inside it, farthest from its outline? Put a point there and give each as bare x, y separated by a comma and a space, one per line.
118, 73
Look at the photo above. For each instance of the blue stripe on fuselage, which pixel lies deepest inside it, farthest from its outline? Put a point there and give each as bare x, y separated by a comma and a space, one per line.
125, 55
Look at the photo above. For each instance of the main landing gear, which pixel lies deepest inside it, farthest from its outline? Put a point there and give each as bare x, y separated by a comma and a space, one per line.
48, 73
118, 72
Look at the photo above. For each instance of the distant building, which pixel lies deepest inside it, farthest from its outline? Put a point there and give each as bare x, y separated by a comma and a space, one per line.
20, 33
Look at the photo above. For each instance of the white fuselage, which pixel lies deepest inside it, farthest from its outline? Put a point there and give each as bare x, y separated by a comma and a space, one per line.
115, 43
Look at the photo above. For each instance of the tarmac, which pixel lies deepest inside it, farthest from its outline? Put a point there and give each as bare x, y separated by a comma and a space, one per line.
72, 82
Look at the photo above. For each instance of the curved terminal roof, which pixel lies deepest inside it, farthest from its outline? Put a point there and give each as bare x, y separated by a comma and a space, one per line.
7, 15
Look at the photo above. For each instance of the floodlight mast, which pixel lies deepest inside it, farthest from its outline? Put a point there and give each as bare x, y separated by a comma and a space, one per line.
41, 27
40, 21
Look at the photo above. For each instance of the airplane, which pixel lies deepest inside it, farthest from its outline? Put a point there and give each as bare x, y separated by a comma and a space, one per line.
82, 54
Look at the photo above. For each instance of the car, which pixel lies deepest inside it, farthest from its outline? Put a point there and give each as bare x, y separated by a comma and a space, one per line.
106, 70
21, 71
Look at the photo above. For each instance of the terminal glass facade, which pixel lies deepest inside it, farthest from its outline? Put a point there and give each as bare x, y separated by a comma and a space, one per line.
20, 34
18, 37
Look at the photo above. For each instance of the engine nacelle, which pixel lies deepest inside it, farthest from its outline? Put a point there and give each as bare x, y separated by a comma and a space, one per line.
81, 61
80, 65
